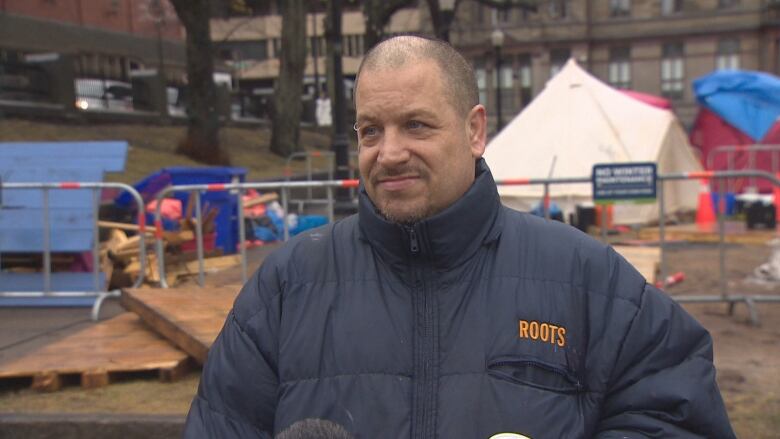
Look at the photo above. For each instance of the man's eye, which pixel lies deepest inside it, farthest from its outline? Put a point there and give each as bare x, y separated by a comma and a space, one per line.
368, 131
414, 125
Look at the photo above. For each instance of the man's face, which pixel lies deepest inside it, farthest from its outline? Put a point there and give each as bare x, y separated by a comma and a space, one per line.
416, 152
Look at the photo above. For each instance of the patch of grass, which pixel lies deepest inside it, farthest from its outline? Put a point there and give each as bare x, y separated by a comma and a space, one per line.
152, 147
754, 416
137, 396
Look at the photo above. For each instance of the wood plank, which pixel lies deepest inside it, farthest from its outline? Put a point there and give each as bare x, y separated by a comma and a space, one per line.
190, 318
127, 227
735, 233
93, 379
46, 381
118, 345
644, 259
261, 199
171, 374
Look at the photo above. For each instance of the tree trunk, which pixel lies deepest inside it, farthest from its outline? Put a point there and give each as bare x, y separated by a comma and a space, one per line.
377, 14
289, 85
202, 141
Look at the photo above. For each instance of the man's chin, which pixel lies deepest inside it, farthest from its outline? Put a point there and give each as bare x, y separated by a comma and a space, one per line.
403, 216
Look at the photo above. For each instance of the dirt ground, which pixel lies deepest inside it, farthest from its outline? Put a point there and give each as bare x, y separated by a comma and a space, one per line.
747, 357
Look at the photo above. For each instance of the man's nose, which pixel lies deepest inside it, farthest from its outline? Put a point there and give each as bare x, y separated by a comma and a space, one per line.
393, 149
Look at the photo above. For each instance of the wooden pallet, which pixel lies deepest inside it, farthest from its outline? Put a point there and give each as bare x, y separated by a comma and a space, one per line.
735, 233
190, 318
645, 259
97, 355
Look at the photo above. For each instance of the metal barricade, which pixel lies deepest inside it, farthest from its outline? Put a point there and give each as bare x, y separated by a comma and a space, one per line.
96, 187
724, 296
329, 185
238, 188
751, 150
308, 156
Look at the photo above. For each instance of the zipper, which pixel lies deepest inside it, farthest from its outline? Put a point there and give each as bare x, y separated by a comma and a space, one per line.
426, 350
414, 244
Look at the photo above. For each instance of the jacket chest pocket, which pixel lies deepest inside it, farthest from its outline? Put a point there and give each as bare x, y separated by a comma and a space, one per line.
526, 370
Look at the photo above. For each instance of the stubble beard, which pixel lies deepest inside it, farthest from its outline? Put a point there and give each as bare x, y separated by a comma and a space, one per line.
396, 210
404, 217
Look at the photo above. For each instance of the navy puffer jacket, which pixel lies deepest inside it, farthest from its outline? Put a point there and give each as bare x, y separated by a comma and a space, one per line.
476, 321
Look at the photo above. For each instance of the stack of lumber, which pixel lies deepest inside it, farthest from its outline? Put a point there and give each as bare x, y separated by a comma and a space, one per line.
120, 253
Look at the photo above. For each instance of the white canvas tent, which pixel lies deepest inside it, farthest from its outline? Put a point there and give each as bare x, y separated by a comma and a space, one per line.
578, 121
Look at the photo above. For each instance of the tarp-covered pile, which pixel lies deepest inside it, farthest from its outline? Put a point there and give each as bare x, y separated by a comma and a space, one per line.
738, 109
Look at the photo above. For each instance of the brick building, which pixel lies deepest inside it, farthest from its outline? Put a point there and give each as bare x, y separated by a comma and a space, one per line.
106, 38
652, 46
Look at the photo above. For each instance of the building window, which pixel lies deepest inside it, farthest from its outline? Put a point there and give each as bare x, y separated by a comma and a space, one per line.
727, 3
558, 58
728, 54
672, 71
503, 15
559, 8
353, 45
619, 8
482, 16
524, 77
481, 75
318, 44
275, 46
506, 84
244, 50
620, 67
669, 7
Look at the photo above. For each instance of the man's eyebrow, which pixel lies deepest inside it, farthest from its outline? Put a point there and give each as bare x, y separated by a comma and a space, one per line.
363, 118
419, 113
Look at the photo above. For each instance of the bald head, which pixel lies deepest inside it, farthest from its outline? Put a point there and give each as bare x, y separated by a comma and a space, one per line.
458, 77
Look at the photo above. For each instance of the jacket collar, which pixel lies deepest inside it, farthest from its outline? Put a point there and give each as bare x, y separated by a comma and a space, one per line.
446, 239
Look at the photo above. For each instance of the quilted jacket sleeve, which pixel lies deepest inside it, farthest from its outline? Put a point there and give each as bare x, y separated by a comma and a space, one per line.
663, 384
237, 393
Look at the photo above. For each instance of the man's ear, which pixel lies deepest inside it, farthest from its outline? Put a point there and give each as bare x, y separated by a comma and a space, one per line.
476, 129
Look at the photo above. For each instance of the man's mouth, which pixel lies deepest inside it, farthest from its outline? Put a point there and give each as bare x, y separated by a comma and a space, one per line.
397, 183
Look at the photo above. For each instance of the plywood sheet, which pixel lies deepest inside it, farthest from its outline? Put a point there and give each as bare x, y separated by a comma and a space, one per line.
190, 318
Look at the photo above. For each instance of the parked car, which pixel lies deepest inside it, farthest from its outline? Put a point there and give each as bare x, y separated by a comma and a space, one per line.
103, 94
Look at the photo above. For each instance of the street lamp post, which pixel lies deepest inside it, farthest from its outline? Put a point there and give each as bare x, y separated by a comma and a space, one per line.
497, 38
340, 144
157, 11
315, 55
447, 8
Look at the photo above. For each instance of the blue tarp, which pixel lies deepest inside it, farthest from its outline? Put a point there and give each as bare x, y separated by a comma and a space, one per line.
749, 101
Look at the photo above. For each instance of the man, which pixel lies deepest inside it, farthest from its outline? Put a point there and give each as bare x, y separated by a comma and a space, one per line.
438, 313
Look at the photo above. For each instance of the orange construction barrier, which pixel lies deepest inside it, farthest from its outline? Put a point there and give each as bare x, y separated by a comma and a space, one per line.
705, 214
776, 192
610, 215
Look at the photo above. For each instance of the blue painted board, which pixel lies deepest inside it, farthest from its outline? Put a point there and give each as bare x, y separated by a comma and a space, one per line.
47, 302
59, 281
107, 156
71, 212
33, 282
